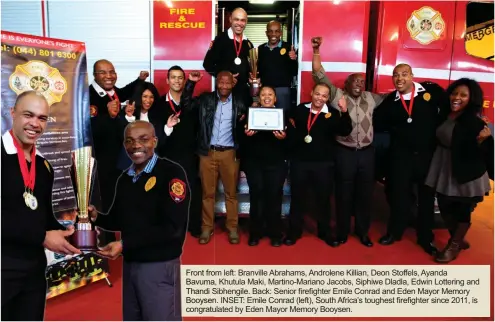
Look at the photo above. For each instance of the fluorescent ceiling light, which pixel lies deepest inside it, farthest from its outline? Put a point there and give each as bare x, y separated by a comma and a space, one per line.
261, 1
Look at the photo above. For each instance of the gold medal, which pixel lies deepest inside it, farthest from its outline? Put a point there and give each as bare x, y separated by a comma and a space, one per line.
283, 51
426, 96
150, 184
308, 138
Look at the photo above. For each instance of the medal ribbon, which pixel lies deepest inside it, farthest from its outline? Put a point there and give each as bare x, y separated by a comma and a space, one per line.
311, 123
411, 102
170, 101
238, 50
29, 176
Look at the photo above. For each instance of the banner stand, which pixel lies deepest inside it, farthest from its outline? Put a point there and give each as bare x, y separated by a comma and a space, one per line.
57, 69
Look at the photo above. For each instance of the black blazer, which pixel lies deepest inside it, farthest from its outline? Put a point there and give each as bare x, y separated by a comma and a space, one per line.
470, 160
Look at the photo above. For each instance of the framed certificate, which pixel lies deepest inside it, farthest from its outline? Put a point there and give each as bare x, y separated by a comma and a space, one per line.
266, 119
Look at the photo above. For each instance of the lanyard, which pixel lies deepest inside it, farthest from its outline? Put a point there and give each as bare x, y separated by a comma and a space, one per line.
411, 102
172, 104
29, 176
238, 50
312, 122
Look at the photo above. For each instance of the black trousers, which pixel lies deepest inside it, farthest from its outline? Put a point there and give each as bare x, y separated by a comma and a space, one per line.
190, 163
354, 175
266, 183
310, 179
406, 170
23, 300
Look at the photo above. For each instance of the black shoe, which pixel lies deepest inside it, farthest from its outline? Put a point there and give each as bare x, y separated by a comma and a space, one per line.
366, 241
332, 242
253, 241
429, 248
388, 240
342, 240
276, 242
289, 241
195, 234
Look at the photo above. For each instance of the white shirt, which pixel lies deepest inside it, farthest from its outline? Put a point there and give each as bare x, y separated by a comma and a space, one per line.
100, 90
417, 89
324, 109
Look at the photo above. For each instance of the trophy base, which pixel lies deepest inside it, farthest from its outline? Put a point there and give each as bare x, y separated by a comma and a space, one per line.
85, 240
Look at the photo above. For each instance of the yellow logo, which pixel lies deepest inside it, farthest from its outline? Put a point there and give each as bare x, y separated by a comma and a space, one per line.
283, 51
425, 25
327, 116
39, 76
47, 165
150, 184
426, 96
177, 188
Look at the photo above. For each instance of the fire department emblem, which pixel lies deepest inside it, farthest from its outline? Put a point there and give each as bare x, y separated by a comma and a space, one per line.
41, 77
425, 25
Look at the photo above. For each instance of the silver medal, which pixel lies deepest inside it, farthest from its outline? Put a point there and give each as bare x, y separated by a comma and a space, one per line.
308, 138
409, 120
237, 61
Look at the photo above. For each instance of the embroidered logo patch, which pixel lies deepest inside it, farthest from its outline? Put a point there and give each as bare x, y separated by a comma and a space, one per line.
327, 116
150, 184
426, 96
93, 110
47, 165
283, 51
177, 190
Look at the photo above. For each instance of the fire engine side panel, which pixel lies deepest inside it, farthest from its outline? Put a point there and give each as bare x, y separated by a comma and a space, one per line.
401, 28
344, 27
464, 65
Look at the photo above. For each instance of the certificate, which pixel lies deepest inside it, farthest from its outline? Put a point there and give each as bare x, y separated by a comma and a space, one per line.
266, 119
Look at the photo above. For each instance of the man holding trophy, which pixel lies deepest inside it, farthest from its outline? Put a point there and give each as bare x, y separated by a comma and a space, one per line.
28, 223
151, 210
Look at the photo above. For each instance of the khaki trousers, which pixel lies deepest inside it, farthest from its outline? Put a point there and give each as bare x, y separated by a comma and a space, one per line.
225, 165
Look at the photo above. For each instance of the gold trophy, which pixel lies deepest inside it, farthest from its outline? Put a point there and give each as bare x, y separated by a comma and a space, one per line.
83, 172
253, 63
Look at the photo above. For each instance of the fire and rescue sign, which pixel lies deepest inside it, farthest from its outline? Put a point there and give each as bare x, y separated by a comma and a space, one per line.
425, 25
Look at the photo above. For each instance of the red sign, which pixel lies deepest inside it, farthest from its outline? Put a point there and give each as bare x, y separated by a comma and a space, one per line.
182, 32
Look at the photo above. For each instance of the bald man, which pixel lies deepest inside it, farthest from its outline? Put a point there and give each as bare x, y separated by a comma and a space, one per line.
103, 94
277, 64
411, 115
221, 114
354, 153
151, 210
229, 52
28, 223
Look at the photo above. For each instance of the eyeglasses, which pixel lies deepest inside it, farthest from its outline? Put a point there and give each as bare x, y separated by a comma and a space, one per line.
141, 141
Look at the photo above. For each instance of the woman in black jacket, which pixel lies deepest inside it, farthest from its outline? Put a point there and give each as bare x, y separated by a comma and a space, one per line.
458, 171
266, 169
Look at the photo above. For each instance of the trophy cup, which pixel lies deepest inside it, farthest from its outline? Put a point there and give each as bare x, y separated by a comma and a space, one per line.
83, 171
253, 63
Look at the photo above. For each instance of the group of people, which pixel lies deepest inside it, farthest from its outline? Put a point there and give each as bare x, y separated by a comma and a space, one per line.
160, 159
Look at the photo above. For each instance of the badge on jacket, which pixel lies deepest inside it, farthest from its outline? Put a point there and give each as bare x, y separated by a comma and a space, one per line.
93, 110
177, 190
150, 184
328, 115
426, 96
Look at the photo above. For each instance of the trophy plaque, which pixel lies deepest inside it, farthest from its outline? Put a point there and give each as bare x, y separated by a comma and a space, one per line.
83, 171
253, 63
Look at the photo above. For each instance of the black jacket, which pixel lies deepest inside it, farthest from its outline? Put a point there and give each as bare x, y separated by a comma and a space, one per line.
206, 105
470, 160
